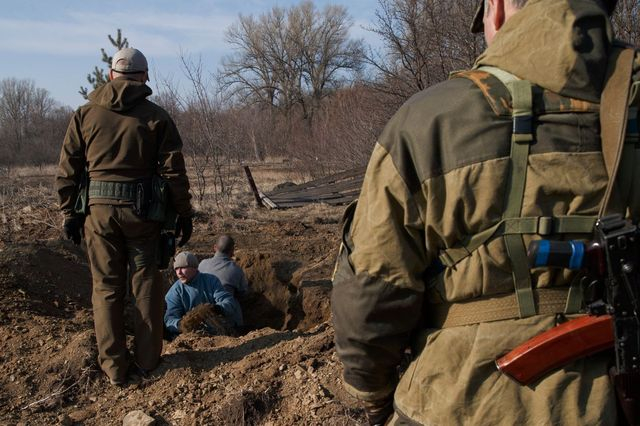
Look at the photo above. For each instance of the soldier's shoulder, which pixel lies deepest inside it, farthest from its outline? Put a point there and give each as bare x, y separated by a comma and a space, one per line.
448, 98
84, 108
440, 105
158, 110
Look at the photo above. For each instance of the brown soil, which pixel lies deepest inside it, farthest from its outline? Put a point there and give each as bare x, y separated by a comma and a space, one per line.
282, 371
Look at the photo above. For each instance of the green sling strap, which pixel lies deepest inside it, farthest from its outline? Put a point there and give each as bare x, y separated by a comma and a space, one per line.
541, 225
619, 106
512, 225
614, 113
521, 138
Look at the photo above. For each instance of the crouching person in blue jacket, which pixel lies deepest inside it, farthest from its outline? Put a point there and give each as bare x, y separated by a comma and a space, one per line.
198, 300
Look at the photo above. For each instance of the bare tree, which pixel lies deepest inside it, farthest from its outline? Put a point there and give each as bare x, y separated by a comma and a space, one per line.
31, 124
326, 50
49, 130
22, 105
250, 74
423, 40
290, 57
208, 141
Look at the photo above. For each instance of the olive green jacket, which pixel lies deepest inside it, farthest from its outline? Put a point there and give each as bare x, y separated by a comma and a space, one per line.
437, 175
121, 136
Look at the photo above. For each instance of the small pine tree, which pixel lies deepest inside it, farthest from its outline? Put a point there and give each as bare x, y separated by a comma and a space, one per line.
99, 76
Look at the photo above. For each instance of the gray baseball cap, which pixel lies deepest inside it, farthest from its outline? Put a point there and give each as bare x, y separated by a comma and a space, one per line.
129, 61
185, 259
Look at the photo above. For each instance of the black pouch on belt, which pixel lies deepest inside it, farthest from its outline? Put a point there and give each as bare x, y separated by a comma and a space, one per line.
142, 198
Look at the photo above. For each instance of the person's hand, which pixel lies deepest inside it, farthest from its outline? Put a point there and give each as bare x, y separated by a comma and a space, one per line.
378, 412
184, 227
74, 228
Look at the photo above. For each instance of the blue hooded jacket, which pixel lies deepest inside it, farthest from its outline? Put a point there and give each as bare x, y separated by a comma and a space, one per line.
203, 288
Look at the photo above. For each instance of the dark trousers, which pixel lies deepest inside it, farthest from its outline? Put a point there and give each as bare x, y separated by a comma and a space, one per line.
117, 239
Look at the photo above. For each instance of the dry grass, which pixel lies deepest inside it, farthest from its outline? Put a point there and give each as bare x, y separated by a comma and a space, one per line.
28, 198
265, 175
27, 210
29, 171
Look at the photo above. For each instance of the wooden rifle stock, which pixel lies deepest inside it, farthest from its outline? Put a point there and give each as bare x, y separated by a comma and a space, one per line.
556, 347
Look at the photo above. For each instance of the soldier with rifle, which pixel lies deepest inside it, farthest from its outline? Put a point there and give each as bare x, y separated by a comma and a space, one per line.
537, 141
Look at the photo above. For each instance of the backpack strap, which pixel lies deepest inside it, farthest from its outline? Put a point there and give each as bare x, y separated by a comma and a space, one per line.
521, 138
614, 111
513, 225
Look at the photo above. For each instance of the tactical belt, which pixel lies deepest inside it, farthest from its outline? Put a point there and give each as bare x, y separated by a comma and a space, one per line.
548, 301
124, 191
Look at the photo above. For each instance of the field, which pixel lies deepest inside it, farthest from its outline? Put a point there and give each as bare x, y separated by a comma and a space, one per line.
283, 371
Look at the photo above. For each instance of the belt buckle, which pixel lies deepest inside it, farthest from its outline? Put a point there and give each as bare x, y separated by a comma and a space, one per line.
545, 225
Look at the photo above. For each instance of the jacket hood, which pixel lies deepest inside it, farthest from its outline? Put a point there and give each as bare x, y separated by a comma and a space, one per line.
561, 45
120, 94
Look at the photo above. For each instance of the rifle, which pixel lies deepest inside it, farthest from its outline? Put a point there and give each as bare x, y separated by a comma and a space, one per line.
612, 293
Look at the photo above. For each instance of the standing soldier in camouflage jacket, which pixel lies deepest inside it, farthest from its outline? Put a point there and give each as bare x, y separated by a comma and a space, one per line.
116, 146
464, 176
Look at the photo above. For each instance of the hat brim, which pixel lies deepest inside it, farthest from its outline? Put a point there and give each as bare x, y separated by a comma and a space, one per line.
477, 25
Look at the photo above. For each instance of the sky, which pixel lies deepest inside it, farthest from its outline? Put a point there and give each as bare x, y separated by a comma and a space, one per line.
57, 43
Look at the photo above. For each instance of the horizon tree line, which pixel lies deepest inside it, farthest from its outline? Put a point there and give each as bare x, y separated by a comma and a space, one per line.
295, 85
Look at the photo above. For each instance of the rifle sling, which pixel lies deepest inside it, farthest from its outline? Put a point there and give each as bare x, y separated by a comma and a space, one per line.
614, 104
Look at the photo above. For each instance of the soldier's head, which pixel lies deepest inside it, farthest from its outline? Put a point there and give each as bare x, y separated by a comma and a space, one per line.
492, 14
185, 265
225, 245
129, 63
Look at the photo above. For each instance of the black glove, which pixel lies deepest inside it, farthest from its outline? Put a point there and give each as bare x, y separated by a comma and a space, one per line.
184, 226
378, 412
74, 228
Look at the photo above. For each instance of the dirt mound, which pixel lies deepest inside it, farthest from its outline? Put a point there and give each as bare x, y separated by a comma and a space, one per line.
48, 277
265, 377
282, 371
72, 367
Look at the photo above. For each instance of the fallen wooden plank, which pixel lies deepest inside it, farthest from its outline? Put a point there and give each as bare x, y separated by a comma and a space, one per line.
337, 187
266, 201
253, 186
327, 180
340, 188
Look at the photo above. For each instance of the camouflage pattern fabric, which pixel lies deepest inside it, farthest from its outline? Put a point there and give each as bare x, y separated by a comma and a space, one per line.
437, 175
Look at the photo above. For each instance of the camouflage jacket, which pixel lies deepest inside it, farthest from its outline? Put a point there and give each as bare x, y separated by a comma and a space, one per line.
437, 175
121, 136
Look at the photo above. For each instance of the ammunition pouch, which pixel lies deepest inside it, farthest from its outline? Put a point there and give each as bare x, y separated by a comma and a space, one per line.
161, 208
82, 201
138, 193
